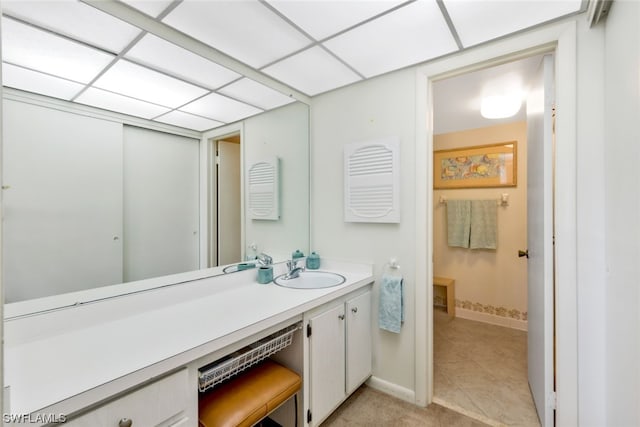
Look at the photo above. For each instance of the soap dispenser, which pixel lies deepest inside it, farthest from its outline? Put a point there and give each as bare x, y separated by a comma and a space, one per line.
297, 254
313, 261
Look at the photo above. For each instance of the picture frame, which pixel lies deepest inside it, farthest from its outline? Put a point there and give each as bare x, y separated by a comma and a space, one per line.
481, 166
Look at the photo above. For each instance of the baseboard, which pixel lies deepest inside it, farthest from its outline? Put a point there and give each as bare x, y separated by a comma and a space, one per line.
392, 389
491, 318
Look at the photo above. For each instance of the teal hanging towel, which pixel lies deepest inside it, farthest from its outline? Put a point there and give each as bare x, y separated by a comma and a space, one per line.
391, 309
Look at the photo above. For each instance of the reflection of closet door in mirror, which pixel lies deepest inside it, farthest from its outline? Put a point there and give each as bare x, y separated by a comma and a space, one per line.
160, 203
62, 210
229, 216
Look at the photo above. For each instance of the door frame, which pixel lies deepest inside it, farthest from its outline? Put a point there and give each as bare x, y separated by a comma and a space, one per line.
559, 38
208, 190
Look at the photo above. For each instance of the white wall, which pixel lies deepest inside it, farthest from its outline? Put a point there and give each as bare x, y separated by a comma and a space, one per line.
387, 105
285, 133
622, 232
373, 109
590, 227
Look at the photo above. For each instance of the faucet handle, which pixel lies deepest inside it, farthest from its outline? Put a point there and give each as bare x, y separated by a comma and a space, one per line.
265, 259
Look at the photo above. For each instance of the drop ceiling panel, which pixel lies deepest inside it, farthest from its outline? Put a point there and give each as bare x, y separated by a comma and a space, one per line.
162, 55
77, 20
220, 108
412, 34
119, 103
34, 81
142, 83
150, 7
245, 30
477, 22
42, 51
321, 19
189, 121
255, 93
312, 71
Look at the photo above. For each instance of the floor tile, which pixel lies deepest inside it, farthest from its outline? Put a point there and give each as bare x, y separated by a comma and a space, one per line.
481, 370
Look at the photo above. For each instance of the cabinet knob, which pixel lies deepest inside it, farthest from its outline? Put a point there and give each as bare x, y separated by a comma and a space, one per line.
354, 309
125, 422
341, 316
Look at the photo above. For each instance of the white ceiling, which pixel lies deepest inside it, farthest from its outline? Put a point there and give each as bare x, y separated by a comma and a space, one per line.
269, 52
457, 100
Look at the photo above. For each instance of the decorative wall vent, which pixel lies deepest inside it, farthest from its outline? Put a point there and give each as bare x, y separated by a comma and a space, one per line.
372, 181
263, 184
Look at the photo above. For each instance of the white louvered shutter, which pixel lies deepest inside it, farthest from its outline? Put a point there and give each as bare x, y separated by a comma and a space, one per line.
263, 194
372, 181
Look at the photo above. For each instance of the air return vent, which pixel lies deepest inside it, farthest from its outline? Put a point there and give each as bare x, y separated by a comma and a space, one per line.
372, 181
263, 197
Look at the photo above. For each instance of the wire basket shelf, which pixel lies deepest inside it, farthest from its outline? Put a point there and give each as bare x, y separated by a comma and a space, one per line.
237, 362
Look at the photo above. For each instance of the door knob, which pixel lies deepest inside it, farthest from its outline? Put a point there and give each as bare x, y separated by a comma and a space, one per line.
523, 253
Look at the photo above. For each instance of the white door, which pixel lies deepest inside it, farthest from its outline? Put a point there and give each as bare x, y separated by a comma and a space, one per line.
229, 247
358, 341
326, 362
540, 240
161, 203
62, 202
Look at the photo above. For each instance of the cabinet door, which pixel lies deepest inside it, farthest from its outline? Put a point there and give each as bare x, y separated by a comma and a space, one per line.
358, 339
327, 363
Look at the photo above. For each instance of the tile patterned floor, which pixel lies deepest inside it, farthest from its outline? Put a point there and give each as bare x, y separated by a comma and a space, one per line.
367, 407
481, 370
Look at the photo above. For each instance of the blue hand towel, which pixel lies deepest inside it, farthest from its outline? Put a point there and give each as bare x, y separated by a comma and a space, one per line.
391, 310
484, 229
458, 223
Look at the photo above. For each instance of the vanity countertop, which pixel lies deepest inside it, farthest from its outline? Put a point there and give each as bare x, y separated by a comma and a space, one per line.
109, 346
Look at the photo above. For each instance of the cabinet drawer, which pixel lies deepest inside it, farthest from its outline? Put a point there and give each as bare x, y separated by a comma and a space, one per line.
161, 403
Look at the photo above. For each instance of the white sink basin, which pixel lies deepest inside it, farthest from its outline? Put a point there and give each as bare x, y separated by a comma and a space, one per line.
311, 279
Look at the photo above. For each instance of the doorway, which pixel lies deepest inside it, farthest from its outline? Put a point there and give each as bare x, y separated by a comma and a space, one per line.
480, 355
561, 40
225, 246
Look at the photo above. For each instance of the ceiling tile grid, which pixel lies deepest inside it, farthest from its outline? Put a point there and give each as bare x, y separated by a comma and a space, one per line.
312, 71
245, 30
162, 55
39, 50
120, 103
76, 20
414, 33
72, 50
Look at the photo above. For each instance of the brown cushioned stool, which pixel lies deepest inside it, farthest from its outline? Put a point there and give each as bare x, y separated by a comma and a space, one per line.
249, 397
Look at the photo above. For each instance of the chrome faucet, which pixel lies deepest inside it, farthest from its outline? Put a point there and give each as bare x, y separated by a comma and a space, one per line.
264, 260
294, 269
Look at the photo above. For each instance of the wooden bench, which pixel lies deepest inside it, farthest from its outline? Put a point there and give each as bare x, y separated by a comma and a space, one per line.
249, 397
450, 286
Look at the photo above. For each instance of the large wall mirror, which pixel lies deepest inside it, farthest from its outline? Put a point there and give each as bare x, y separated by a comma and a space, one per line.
104, 184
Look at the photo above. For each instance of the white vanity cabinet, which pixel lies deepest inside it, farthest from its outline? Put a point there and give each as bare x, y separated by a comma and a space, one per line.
339, 335
162, 403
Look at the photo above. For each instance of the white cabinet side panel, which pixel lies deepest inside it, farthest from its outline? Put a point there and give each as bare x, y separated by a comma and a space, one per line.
62, 210
161, 204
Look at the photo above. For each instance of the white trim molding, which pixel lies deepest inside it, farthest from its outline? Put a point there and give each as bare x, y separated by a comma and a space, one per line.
392, 389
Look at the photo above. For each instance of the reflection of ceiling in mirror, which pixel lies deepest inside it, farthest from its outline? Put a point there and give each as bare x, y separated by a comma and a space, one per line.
190, 64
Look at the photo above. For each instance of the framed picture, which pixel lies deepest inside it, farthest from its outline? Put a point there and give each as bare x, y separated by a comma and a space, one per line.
493, 165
